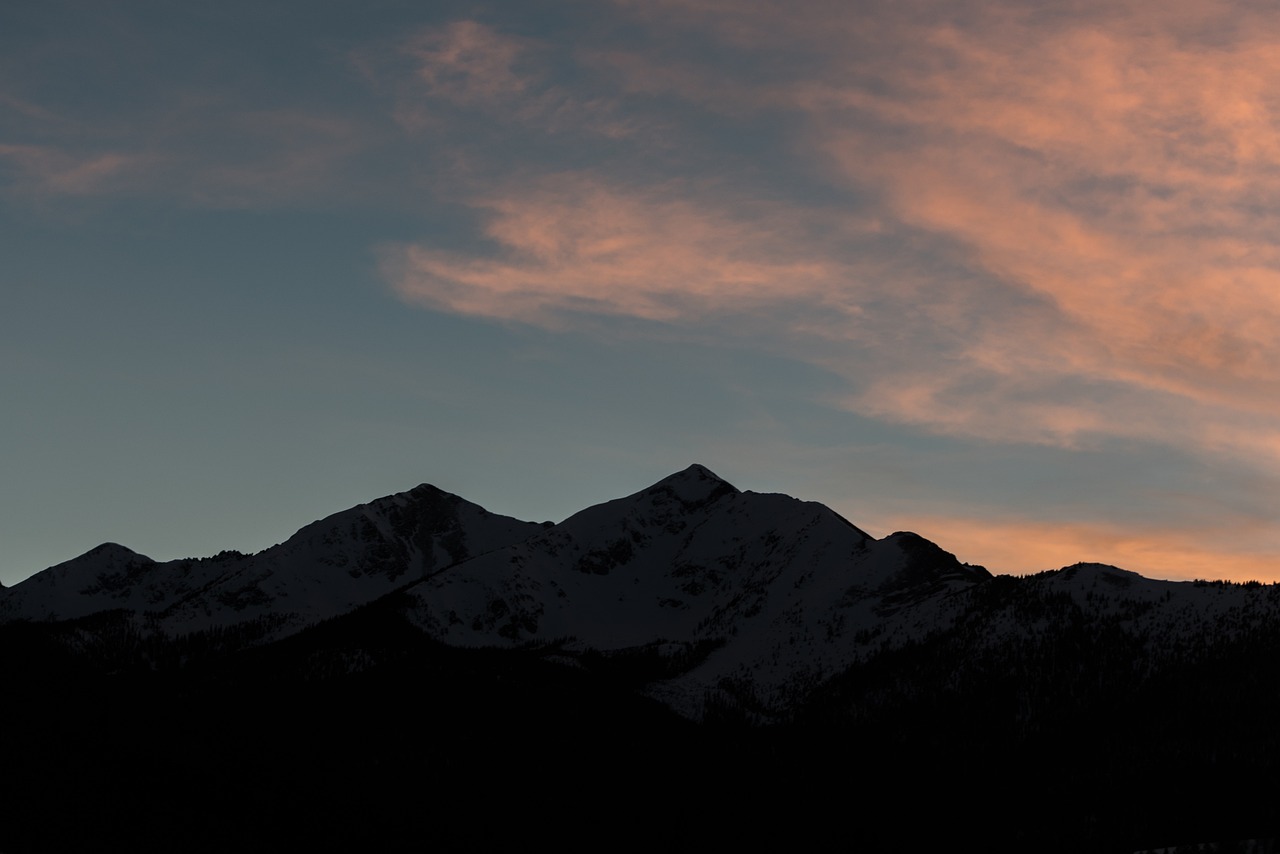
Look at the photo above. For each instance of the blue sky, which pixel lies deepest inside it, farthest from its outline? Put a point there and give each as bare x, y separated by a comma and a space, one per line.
999, 273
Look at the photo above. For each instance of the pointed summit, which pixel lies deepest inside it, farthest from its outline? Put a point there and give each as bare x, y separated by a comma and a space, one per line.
697, 472
693, 487
112, 551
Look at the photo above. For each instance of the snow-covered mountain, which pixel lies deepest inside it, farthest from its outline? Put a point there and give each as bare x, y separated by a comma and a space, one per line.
785, 591
736, 598
519, 663
327, 568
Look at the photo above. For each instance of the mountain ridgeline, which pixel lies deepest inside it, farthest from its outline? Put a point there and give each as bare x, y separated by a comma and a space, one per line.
809, 676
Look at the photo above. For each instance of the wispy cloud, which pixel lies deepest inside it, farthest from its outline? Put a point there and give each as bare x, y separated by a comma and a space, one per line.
1126, 178
468, 62
29, 110
576, 243
1093, 189
441, 73
210, 155
46, 170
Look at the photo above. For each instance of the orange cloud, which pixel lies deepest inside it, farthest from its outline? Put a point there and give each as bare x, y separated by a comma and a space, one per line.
575, 243
1123, 177
1106, 173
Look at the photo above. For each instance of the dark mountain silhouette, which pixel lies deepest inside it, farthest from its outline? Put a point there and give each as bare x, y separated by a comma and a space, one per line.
692, 662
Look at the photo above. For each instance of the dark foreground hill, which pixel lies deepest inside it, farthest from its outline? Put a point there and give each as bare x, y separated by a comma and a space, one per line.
691, 665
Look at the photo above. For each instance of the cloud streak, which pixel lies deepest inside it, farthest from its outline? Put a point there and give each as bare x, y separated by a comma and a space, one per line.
1094, 190
207, 156
575, 243
1126, 179
468, 62
46, 170
442, 77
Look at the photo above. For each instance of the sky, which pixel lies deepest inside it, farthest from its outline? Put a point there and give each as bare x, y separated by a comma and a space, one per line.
1006, 274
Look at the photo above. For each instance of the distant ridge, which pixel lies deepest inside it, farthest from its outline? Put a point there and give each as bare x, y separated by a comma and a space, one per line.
763, 596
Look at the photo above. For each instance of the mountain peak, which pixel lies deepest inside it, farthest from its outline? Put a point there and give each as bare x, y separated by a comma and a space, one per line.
699, 470
428, 489
104, 555
1094, 572
696, 473
695, 485
111, 550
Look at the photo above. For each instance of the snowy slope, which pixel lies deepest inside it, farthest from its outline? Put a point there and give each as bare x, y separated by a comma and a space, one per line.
105, 577
789, 589
752, 599
327, 568
1175, 614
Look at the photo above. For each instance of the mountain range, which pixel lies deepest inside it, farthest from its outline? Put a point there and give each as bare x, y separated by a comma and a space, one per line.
748, 638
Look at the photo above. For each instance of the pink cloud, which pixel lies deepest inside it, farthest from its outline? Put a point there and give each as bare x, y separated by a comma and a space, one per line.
1108, 170
1124, 179
576, 243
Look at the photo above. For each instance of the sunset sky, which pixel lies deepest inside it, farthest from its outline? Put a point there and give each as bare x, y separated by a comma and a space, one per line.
1006, 274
